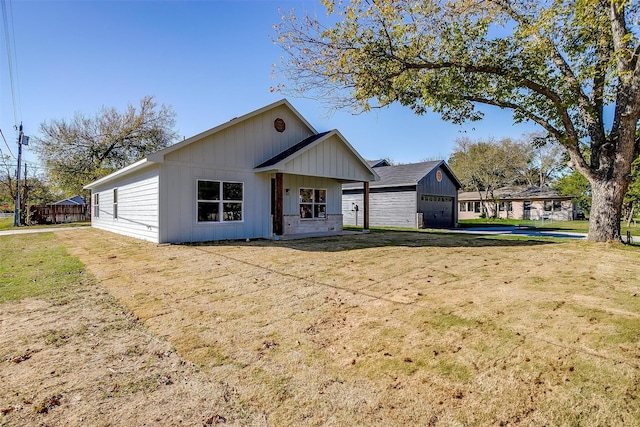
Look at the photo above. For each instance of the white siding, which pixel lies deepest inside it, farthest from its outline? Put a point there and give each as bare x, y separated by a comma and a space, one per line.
137, 206
330, 158
179, 205
245, 145
291, 201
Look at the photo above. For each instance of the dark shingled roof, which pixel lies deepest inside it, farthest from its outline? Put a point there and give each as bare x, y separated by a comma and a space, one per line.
399, 175
515, 193
291, 150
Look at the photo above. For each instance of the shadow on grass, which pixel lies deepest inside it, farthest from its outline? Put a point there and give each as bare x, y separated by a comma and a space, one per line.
390, 238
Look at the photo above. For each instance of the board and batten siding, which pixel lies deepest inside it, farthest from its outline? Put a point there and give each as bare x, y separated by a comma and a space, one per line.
245, 145
329, 159
442, 212
138, 214
179, 205
231, 156
291, 201
395, 207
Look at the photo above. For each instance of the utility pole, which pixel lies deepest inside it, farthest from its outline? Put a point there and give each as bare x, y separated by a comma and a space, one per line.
16, 213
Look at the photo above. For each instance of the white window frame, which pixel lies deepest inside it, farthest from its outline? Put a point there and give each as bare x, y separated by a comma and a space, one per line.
221, 201
96, 205
115, 203
313, 204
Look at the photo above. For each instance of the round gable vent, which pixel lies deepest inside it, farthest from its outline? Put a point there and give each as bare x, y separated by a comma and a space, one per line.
279, 124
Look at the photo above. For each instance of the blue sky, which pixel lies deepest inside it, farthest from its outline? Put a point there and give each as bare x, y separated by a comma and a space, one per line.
210, 60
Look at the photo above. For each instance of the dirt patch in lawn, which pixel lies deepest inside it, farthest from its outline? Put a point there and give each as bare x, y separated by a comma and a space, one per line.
83, 359
383, 329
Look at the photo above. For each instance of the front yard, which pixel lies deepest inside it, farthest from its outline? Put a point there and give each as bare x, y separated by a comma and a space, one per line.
390, 328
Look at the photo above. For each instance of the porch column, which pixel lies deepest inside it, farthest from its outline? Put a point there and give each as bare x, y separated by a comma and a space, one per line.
278, 212
365, 227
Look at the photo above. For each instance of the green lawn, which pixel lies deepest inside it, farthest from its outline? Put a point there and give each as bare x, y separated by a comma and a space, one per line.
35, 265
6, 223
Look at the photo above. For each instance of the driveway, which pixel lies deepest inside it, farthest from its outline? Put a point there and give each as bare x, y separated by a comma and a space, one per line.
520, 231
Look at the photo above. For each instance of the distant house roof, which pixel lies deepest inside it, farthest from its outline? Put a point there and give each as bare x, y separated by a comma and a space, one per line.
403, 175
378, 163
75, 200
516, 193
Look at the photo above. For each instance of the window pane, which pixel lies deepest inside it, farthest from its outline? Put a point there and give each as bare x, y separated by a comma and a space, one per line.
306, 195
208, 211
463, 207
232, 191
547, 205
305, 211
557, 205
208, 190
319, 211
321, 196
232, 212
115, 196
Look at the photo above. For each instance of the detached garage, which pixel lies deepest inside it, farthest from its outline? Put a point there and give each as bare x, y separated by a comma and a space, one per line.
415, 195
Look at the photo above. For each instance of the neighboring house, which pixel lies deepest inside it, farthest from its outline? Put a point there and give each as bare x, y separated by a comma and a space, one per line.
416, 195
72, 201
72, 209
526, 203
267, 173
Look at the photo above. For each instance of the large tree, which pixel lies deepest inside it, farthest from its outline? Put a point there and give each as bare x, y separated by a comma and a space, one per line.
83, 149
561, 64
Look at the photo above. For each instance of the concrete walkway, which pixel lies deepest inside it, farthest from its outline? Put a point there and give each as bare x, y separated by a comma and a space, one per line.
28, 230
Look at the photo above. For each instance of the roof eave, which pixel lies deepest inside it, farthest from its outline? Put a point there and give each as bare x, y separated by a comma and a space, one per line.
119, 173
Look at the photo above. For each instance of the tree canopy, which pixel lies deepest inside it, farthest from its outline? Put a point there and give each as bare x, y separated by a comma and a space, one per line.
563, 65
83, 149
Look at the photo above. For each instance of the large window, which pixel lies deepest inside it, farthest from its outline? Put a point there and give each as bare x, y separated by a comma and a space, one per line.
219, 201
313, 203
115, 203
505, 206
96, 205
552, 205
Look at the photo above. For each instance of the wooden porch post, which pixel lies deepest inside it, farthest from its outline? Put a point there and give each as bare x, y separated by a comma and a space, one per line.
365, 227
278, 215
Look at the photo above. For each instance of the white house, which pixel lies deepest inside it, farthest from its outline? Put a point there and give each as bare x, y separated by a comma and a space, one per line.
267, 173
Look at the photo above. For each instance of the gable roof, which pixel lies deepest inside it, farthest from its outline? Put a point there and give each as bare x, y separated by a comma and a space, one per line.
291, 150
75, 200
158, 156
275, 163
279, 162
406, 174
516, 193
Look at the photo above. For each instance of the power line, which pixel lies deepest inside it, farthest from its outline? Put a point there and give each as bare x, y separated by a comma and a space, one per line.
10, 58
5, 143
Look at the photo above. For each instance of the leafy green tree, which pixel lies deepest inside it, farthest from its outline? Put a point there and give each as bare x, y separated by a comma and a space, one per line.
576, 186
632, 198
559, 64
83, 149
485, 166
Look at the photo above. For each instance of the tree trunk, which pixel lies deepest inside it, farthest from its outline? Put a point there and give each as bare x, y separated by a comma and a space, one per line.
606, 210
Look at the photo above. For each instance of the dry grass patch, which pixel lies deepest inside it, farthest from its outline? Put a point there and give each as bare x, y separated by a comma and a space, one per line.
393, 328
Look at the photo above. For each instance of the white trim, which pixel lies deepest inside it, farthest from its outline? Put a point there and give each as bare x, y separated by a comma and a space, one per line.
220, 202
